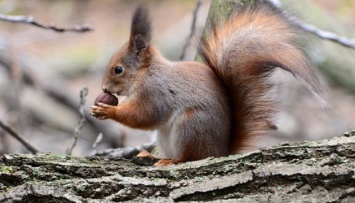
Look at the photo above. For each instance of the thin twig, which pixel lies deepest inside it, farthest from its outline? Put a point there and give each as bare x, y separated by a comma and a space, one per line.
76, 135
193, 30
54, 92
31, 21
97, 141
127, 152
350, 43
19, 138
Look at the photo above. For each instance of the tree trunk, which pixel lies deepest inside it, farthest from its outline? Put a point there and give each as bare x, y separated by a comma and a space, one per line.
317, 171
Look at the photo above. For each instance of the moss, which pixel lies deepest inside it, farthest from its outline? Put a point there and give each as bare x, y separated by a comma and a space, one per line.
172, 172
6, 169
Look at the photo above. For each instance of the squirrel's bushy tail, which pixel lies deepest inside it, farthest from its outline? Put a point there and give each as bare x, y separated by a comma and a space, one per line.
244, 50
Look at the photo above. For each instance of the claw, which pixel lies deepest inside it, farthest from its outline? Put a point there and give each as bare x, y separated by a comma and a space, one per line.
166, 162
103, 105
145, 153
103, 111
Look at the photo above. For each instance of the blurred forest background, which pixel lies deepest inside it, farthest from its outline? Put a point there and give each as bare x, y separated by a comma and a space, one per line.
42, 71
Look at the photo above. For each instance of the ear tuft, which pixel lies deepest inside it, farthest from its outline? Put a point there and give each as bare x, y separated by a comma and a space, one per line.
140, 30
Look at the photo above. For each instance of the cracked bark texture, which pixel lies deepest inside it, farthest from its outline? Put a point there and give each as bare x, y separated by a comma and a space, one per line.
317, 171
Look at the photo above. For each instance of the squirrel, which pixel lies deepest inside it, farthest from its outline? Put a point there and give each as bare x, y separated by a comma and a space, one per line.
213, 108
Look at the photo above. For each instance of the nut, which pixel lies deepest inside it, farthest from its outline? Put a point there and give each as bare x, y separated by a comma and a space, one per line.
106, 98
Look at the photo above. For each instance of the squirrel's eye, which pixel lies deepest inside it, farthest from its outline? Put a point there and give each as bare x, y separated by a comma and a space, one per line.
118, 70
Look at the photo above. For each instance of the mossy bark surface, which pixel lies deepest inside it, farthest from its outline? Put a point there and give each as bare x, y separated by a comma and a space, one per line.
319, 171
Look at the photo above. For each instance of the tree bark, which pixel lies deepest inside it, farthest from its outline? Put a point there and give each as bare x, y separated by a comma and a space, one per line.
317, 171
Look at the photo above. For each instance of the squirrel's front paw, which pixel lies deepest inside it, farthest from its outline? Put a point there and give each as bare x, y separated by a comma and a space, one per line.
103, 111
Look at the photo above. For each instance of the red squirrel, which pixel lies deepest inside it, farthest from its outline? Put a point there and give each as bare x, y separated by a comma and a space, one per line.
212, 108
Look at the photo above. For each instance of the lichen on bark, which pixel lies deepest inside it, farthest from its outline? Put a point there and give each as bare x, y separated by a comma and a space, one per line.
317, 171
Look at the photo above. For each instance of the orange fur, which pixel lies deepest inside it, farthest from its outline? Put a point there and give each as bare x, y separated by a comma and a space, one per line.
243, 51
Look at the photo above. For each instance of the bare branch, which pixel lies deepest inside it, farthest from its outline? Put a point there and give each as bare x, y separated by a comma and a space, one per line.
350, 43
31, 21
127, 152
19, 138
193, 30
54, 91
312, 171
76, 135
97, 141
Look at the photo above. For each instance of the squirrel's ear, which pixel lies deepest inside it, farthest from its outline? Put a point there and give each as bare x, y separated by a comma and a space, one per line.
140, 31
